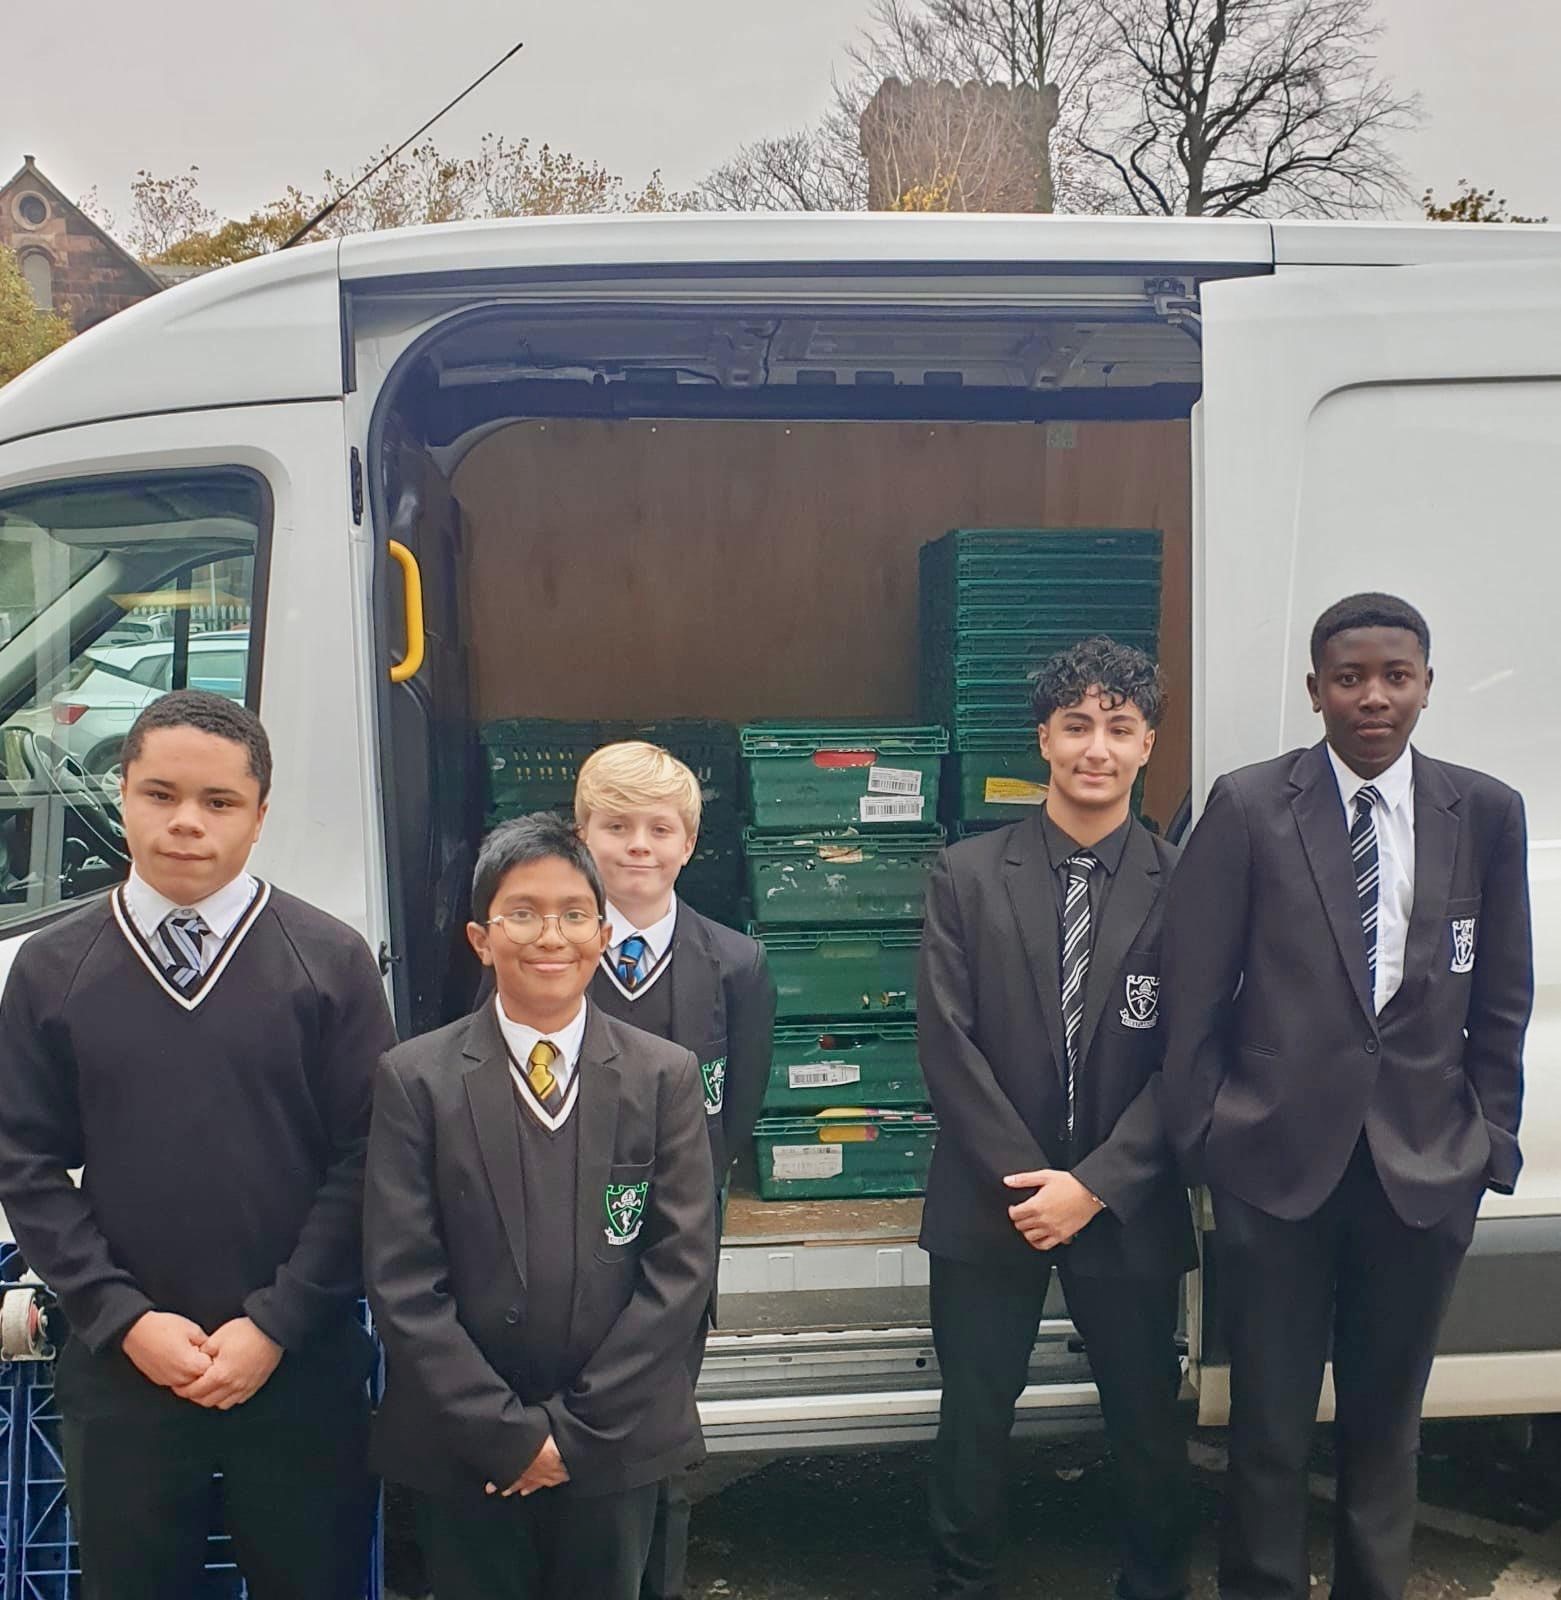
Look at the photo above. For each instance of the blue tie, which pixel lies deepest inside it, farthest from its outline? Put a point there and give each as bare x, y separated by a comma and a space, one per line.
633, 961
182, 934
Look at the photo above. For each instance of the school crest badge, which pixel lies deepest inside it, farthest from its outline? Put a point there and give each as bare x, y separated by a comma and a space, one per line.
713, 1075
625, 1207
1143, 1001
1463, 944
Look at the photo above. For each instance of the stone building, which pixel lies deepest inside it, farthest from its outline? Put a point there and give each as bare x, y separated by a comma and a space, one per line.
71, 265
958, 146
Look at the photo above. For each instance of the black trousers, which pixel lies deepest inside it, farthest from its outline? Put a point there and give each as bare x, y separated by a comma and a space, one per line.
984, 1322
295, 1496
555, 1544
1354, 1274
666, 1567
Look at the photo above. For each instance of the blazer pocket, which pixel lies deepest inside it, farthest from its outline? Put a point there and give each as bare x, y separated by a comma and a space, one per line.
1135, 1002
1461, 941
622, 1215
712, 1076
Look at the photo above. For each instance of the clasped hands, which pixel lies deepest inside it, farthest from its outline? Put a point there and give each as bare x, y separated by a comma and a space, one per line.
1060, 1208
217, 1370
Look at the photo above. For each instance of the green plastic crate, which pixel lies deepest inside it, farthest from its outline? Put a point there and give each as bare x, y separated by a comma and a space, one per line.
842, 775
842, 972
874, 1155
996, 785
996, 552
839, 877
532, 762
844, 1062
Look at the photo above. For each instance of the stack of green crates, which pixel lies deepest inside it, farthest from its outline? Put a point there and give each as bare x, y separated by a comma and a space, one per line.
995, 604
844, 835
532, 764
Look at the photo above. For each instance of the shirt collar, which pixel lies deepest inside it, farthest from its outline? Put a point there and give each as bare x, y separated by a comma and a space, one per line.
658, 935
1107, 851
521, 1038
220, 911
1396, 785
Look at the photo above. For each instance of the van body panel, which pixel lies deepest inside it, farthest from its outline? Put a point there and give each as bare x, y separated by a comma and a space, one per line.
260, 332
724, 240
1399, 244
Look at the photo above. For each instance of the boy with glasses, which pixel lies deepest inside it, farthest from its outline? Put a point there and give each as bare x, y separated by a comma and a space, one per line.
539, 1248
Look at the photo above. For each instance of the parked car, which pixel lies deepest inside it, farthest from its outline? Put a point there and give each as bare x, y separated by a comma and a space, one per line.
92, 718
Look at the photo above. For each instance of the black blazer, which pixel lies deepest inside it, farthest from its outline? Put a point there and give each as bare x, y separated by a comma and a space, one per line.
989, 1015
1275, 1057
445, 1253
723, 1009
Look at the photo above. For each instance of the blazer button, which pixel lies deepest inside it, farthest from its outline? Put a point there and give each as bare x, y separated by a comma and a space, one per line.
512, 1316
1371, 1047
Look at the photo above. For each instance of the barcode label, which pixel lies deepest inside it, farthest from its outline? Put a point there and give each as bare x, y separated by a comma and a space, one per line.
887, 808
823, 1075
807, 1161
893, 780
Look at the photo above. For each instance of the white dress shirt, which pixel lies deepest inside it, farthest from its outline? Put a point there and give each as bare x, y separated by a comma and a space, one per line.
219, 911
658, 936
1395, 820
566, 1040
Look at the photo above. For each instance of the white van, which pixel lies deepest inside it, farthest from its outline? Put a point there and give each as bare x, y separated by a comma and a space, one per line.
681, 467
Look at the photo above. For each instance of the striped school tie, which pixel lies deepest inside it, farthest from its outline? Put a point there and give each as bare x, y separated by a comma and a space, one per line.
1075, 961
181, 936
633, 961
539, 1074
1363, 851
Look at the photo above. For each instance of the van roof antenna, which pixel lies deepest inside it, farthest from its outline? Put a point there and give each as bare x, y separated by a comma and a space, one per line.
385, 160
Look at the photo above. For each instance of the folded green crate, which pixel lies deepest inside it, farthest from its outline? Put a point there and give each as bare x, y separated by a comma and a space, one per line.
842, 775
996, 785
839, 972
839, 877
844, 1062
868, 1154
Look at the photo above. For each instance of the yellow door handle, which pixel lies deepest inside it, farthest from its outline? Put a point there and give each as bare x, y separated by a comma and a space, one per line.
412, 590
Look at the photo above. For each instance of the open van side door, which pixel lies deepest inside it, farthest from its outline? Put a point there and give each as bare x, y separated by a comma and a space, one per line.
1394, 429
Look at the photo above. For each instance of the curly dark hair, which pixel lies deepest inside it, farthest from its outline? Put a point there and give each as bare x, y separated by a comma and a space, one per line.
209, 713
1122, 674
1369, 611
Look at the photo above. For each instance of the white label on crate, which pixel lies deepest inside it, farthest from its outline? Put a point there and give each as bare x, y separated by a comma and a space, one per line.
807, 1161
891, 808
823, 1075
893, 780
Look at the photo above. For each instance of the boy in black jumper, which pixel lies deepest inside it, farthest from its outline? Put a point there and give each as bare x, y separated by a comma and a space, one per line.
203, 1045
682, 977
539, 1247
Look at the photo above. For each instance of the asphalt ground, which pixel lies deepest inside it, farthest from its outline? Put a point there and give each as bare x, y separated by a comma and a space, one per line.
850, 1527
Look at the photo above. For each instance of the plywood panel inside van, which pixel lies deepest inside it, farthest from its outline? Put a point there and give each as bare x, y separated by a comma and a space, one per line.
767, 569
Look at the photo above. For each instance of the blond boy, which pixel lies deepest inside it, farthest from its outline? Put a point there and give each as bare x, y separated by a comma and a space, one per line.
680, 976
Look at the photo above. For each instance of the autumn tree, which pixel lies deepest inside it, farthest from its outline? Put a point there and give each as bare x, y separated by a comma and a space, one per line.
1247, 107
27, 333
1471, 205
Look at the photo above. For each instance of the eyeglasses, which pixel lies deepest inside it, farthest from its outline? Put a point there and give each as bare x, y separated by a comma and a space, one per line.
525, 927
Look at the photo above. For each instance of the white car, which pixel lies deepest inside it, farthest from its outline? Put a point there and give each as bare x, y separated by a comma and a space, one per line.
92, 718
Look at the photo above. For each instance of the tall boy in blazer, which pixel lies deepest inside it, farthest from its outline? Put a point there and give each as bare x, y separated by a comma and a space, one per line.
1348, 979
539, 1247
203, 1046
1038, 1003
682, 977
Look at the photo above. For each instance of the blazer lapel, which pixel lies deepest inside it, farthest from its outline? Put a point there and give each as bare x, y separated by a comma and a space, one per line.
696, 995
1436, 850
1325, 837
490, 1092
1127, 908
1027, 870
597, 1113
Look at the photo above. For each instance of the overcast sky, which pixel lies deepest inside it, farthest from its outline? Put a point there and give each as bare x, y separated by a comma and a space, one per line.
260, 95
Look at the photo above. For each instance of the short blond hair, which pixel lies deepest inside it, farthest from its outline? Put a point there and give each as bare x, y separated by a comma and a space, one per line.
627, 776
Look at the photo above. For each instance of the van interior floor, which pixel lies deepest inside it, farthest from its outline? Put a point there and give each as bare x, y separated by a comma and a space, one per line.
752, 1221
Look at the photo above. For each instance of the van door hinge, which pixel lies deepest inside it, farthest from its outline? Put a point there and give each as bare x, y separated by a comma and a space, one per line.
386, 959
1176, 302
356, 480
